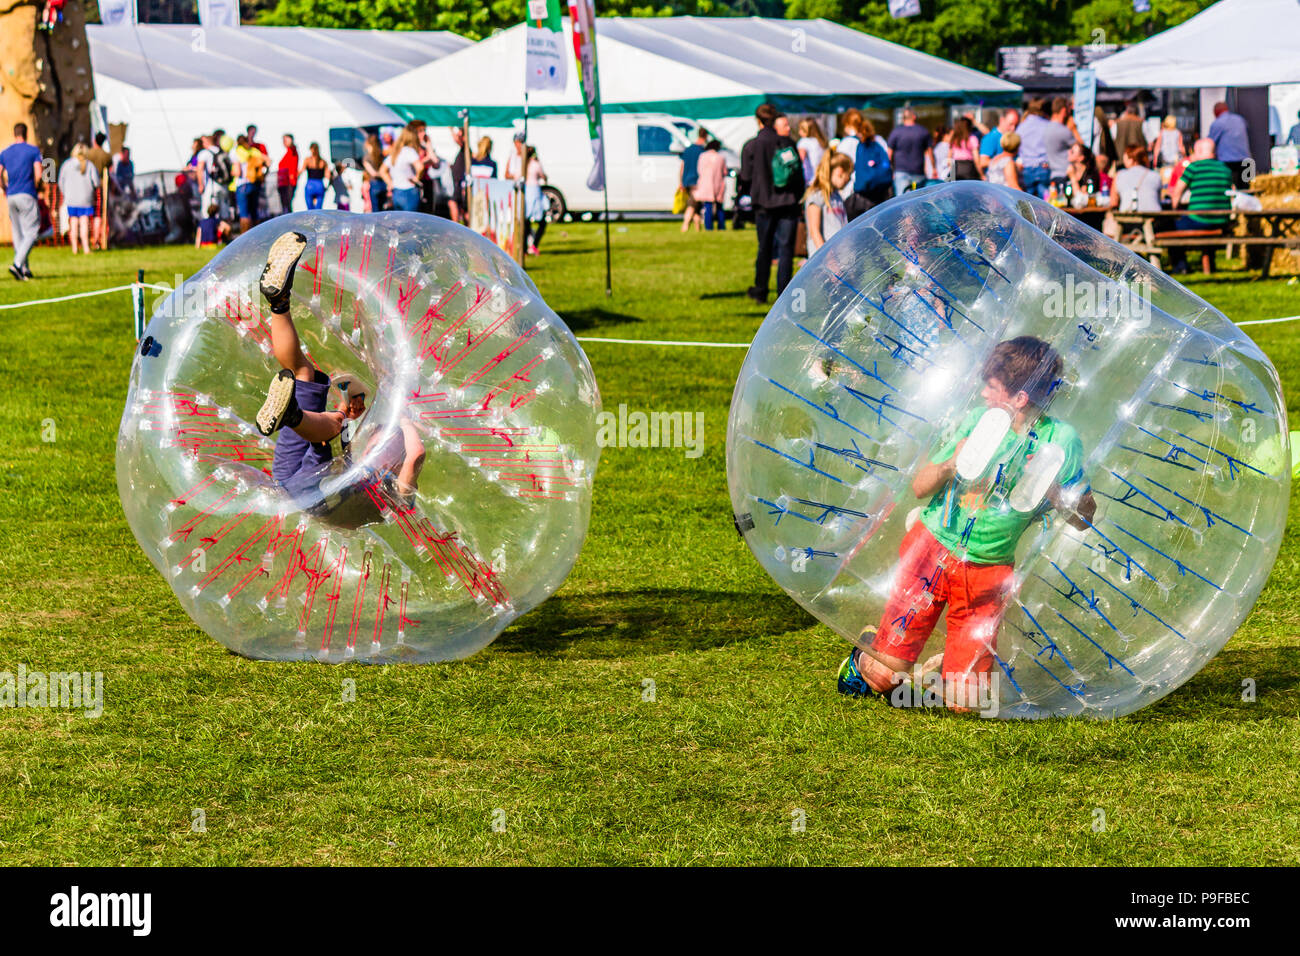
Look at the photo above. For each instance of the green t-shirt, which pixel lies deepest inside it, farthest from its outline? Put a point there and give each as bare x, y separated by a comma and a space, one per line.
1207, 182
974, 520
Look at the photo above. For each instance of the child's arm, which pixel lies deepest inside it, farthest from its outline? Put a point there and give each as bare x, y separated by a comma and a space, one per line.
198, 235
933, 476
1081, 514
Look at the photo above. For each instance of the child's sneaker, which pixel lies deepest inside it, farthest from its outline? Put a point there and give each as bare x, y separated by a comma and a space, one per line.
281, 261
850, 681
281, 407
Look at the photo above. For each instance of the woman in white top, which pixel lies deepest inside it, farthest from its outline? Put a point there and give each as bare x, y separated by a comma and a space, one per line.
1002, 168
1137, 185
1168, 145
823, 208
78, 180
405, 167
812, 143
536, 206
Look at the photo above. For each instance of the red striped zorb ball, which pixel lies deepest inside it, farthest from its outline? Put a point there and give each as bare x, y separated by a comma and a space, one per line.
977, 435
444, 344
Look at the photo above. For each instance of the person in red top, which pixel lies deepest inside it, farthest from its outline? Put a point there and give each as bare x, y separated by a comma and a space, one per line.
286, 174
252, 140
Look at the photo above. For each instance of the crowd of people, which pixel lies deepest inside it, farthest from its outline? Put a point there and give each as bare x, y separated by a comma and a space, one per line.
805, 190
399, 169
230, 184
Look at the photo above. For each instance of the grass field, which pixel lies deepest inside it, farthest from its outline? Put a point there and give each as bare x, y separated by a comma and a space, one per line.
547, 731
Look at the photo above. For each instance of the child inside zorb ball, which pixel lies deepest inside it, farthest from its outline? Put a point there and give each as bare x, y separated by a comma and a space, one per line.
296, 407
1003, 468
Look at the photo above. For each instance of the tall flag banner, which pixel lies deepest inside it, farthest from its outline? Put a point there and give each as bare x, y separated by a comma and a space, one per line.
545, 67
902, 9
582, 13
117, 13
1085, 103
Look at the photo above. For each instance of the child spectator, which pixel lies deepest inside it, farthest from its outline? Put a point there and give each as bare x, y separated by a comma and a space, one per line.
212, 230
824, 212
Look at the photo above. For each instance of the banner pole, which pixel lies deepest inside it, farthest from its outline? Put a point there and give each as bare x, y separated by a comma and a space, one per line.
609, 290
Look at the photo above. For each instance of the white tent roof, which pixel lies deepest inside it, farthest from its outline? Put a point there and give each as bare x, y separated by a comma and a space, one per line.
1233, 43
161, 123
701, 66
158, 56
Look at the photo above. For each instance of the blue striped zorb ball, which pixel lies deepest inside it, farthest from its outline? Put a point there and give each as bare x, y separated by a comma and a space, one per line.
872, 357
441, 330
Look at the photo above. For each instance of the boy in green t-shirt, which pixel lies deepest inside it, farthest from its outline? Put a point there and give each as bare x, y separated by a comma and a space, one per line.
1001, 470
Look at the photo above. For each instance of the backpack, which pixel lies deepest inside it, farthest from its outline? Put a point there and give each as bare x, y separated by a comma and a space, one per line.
785, 163
222, 172
871, 167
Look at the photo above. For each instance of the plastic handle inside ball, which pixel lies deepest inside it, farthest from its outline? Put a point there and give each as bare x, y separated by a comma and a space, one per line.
982, 444
1040, 471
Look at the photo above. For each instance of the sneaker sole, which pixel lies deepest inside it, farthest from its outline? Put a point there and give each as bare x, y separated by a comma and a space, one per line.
278, 396
280, 260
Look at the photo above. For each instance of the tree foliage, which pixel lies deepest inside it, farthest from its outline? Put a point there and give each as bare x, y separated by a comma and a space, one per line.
475, 18
965, 31
970, 31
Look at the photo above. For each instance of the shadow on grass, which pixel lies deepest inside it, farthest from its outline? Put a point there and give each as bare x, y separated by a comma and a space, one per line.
650, 621
724, 295
582, 319
1216, 692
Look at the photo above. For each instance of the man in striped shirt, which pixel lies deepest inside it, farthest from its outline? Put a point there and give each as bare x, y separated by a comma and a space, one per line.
1206, 181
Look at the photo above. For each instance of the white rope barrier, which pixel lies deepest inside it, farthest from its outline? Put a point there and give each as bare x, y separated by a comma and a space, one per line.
84, 295
1288, 318
581, 338
707, 345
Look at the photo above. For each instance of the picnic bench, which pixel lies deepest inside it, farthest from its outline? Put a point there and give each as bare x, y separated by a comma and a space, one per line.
1264, 231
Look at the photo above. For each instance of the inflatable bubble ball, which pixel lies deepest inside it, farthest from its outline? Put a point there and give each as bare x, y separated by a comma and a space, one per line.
1015, 464
392, 470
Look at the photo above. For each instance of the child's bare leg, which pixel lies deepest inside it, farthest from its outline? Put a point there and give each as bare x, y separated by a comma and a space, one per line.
281, 408
882, 671
287, 348
409, 474
319, 426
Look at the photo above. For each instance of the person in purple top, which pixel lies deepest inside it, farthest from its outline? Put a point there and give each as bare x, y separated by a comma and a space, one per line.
1232, 143
20, 171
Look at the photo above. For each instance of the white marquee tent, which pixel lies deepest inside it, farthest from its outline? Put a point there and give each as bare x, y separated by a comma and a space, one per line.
714, 69
1233, 43
170, 83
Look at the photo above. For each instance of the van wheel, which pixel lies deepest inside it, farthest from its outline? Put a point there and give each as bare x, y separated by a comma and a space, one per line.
555, 207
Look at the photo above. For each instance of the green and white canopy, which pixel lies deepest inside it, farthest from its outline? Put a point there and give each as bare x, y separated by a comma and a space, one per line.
702, 67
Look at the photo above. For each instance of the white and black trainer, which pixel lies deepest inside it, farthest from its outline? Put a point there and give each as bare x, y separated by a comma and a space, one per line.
281, 261
280, 407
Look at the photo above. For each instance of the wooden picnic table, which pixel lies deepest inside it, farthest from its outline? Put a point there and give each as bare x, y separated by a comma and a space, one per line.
1282, 226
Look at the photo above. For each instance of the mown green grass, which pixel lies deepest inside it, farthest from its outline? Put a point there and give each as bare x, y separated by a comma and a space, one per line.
549, 724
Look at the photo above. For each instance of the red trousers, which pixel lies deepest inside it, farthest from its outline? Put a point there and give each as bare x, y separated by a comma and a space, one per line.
930, 578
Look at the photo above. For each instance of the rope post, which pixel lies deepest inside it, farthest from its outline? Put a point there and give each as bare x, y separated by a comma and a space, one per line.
137, 303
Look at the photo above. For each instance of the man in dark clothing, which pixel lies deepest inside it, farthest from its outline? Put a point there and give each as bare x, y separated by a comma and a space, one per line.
776, 208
